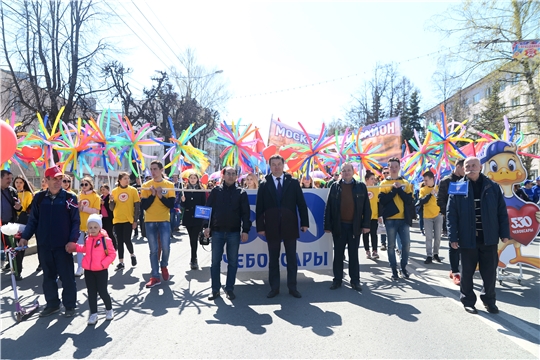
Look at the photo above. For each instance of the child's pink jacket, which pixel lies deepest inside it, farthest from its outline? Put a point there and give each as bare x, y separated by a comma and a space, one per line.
95, 258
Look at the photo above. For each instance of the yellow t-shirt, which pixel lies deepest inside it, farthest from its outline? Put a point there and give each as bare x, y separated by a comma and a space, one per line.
157, 212
88, 200
25, 198
431, 209
373, 195
397, 200
124, 204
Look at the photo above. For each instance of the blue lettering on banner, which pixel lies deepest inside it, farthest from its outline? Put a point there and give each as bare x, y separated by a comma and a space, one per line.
261, 260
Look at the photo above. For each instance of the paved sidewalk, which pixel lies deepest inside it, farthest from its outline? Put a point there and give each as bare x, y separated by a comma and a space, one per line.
416, 318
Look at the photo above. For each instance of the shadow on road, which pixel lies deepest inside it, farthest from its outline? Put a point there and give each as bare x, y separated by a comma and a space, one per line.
240, 315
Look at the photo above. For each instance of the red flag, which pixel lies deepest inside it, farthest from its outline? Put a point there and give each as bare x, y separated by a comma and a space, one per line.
259, 147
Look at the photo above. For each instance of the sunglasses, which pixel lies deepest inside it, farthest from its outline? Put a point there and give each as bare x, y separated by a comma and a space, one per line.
85, 184
230, 173
66, 181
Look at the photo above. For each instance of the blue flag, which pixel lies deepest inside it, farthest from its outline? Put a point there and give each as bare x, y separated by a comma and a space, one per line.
203, 212
458, 188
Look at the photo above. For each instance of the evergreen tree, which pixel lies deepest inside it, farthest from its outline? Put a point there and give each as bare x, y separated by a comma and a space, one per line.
492, 117
411, 119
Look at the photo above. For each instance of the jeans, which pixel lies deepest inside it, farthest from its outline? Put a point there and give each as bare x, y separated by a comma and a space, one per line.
340, 241
219, 240
163, 229
399, 227
175, 219
80, 256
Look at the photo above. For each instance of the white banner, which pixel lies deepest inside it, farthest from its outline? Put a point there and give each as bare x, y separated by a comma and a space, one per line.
314, 249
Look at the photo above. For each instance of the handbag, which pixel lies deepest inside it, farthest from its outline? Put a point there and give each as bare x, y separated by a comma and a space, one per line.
381, 229
204, 241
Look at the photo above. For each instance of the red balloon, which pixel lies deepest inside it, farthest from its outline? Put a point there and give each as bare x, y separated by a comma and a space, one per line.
286, 153
294, 164
32, 152
204, 179
269, 151
9, 142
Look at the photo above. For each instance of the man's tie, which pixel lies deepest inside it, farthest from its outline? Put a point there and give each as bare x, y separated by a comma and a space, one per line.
279, 188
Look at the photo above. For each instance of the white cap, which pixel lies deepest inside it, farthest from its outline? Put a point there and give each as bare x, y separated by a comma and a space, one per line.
95, 218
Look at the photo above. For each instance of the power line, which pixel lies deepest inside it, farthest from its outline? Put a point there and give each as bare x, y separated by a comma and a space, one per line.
335, 79
134, 33
164, 27
157, 32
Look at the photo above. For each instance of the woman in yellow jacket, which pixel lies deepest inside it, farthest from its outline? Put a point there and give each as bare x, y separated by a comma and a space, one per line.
24, 193
89, 203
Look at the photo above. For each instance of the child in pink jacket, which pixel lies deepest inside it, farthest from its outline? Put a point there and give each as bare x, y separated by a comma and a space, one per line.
99, 254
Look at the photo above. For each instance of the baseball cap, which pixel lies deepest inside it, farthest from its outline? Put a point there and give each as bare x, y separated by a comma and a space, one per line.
538, 178
527, 182
53, 171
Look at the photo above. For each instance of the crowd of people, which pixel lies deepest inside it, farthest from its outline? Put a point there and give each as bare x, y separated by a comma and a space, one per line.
97, 226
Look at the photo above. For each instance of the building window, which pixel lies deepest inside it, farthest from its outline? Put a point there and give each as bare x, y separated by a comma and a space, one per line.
502, 84
488, 91
534, 149
515, 79
476, 117
466, 102
476, 98
515, 101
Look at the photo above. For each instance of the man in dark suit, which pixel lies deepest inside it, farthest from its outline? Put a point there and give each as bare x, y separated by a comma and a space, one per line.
279, 200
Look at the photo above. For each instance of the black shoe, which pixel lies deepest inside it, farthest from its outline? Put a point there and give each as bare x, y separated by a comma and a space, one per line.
120, 266
6, 268
492, 309
404, 273
272, 293
295, 293
471, 310
133, 260
230, 295
335, 286
38, 269
215, 295
49, 311
383, 248
70, 312
428, 260
18, 277
436, 258
356, 287
395, 275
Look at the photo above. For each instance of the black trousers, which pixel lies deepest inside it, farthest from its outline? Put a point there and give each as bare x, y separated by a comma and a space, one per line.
123, 236
96, 283
274, 250
193, 232
487, 259
453, 254
57, 263
346, 238
108, 226
373, 225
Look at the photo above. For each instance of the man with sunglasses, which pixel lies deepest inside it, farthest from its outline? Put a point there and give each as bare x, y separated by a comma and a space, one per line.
157, 200
55, 220
230, 215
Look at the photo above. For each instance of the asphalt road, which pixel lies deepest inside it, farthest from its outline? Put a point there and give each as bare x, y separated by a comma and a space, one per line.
416, 318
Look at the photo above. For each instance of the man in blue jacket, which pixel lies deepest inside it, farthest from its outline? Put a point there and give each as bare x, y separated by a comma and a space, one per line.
55, 221
475, 223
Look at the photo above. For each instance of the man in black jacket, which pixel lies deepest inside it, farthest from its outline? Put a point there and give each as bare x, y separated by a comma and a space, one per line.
279, 200
230, 214
347, 215
442, 201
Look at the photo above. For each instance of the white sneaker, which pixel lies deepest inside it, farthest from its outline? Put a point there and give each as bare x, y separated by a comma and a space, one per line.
79, 272
109, 315
92, 320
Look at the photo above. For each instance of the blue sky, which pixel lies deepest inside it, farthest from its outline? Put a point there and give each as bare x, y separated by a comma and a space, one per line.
266, 47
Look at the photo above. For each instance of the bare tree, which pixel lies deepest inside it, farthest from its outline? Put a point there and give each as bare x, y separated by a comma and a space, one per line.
485, 31
52, 50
